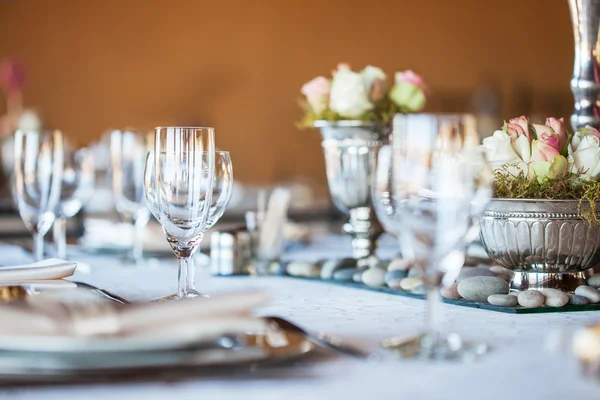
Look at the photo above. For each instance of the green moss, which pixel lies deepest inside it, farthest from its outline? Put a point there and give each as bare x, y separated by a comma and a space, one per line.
569, 186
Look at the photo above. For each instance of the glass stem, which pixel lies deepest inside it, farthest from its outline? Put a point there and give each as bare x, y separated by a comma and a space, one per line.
59, 234
185, 282
38, 246
433, 321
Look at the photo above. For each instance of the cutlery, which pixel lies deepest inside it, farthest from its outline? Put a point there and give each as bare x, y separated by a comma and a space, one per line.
102, 292
320, 339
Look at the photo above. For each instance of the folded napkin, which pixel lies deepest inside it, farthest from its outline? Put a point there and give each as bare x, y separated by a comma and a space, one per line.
52, 268
76, 313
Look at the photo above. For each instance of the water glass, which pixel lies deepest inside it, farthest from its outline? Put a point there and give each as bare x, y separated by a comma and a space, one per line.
38, 169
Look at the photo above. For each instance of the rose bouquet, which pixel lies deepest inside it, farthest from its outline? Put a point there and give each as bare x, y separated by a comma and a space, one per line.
535, 161
363, 96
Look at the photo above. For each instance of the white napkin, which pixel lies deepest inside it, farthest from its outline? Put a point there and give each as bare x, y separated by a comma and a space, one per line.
76, 313
52, 268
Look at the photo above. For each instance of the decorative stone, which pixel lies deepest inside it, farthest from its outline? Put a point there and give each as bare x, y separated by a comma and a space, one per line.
409, 284
330, 266
502, 300
420, 289
450, 292
304, 269
415, 273
344, 275
594, 281
357, 277
399, 264
555, 297
502, 272
395, 274
469, 272
394, 283
374, 277
479, 288
577, 300
531, 298
370, 261
590, 293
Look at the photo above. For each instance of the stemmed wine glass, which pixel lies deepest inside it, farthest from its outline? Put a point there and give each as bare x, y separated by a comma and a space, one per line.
128, 150
436, 187
77, 188
38, 168
178, 184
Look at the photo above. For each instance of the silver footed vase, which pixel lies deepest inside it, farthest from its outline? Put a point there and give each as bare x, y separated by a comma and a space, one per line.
585, 83
350, 149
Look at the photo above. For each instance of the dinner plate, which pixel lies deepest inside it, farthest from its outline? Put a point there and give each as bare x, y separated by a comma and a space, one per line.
20, 367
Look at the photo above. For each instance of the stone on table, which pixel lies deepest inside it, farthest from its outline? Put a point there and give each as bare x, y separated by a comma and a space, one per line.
415, 273
399, 264
577, 300
374, 277
555, 297
344, 275
594, 281
419, 289
330, 266
590, 293
479, 288
409, 284
450, 292
395, 274
303, 269
394, 284
502, 300
357, 277
531, 298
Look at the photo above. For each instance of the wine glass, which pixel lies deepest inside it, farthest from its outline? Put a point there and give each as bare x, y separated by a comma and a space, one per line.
38, 168
435, 188
222, 190
77, 188
179, 188
128, 151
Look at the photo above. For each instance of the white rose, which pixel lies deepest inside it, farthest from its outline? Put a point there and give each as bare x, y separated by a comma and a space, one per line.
349, 95
500, 150
584, 154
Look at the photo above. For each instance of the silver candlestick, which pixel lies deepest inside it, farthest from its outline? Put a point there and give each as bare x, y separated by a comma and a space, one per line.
350, 149
585, 84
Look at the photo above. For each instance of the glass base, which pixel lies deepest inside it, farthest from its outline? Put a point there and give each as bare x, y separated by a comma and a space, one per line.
435, 347
190, 294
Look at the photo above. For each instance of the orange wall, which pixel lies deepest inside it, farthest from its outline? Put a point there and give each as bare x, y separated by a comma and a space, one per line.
238, 64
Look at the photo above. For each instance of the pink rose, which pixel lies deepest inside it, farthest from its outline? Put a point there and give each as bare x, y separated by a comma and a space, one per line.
12, 77
523, 123
410, 77
541, 151
548, 136
317, 93
514, 131
558, 126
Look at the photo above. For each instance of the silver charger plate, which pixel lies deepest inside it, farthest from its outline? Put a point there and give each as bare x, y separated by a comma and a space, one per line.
27, 367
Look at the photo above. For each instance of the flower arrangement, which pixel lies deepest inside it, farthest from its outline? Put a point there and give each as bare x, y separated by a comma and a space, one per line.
364, 96
535, 161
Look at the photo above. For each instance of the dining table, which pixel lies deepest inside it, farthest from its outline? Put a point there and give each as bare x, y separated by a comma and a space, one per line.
529, 355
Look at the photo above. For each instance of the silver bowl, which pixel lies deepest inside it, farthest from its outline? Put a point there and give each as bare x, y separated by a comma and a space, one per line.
546, 241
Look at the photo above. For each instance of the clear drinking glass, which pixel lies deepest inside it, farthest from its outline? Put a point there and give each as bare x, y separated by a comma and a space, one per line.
37, 180
128, 150
434, 189
76, 189
179, 189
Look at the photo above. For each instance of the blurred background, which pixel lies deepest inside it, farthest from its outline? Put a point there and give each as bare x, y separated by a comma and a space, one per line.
238, 65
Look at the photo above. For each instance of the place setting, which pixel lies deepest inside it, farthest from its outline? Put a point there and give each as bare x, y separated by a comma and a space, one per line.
400, 232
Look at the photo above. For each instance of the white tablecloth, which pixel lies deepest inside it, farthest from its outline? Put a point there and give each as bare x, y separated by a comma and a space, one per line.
519, 366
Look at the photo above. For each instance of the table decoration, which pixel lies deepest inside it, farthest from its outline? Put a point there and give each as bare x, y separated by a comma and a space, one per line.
353, 112
543, 223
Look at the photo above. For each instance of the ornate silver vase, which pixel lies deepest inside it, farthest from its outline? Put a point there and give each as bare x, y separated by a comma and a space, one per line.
545, 242
585, 84
350, 149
